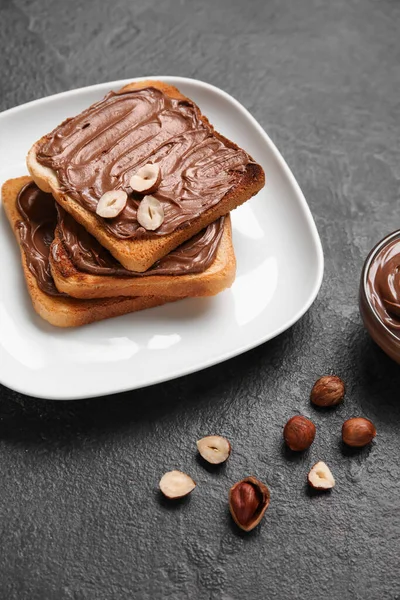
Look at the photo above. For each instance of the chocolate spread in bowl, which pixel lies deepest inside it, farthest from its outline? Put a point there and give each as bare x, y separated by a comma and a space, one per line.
380, 295
383, 285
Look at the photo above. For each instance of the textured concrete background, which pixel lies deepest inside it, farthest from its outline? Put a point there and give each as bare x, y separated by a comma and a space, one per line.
80, 515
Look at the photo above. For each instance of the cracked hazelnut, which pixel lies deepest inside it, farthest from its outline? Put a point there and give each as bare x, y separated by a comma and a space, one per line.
150, 213
111, 204
214, 449
299, 433
176, 484
358, 432
320, 477
248, 501
328, 391
146, 179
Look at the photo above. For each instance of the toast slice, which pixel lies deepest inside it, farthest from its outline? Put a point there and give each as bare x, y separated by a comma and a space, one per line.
59, 310
69, 279
140, 251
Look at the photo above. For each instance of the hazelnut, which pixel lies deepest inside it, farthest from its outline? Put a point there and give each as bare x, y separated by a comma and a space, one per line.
146, 179
328, 391
248, 501
358, 432
320, 477
214, 449
150, 213
111, 204
176, 484
299, 433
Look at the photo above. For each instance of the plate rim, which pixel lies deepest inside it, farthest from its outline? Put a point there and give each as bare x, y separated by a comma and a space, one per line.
240, 349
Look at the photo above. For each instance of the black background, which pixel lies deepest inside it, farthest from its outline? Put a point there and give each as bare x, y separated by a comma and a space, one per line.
80, 514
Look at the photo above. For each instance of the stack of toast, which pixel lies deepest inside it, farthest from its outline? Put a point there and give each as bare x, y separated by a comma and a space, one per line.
127, 207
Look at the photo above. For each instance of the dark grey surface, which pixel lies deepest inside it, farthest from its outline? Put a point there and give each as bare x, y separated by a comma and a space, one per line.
80, 515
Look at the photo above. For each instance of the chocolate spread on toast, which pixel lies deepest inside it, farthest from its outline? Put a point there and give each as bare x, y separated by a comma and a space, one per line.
89, 256
36, 232
101, 148
40, 218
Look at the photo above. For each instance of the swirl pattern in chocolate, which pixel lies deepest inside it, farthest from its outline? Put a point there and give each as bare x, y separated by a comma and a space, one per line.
36, 233
88, 256
101, 148
383, 285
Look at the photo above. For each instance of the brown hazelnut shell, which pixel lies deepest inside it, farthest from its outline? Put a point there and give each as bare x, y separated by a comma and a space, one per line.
263, 498
327, 391
299, 433
358, 432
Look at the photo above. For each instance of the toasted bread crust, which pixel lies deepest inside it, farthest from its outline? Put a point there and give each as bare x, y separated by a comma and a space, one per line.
140, 254
219, 275
60, 311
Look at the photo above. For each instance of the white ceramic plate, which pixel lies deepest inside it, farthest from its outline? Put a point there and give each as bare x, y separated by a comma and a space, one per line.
280, 268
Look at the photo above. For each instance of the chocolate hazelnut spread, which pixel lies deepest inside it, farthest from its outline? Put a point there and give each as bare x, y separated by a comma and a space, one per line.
380, 295
36, 232
101, 148
40, 216
383, 285
87, 255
